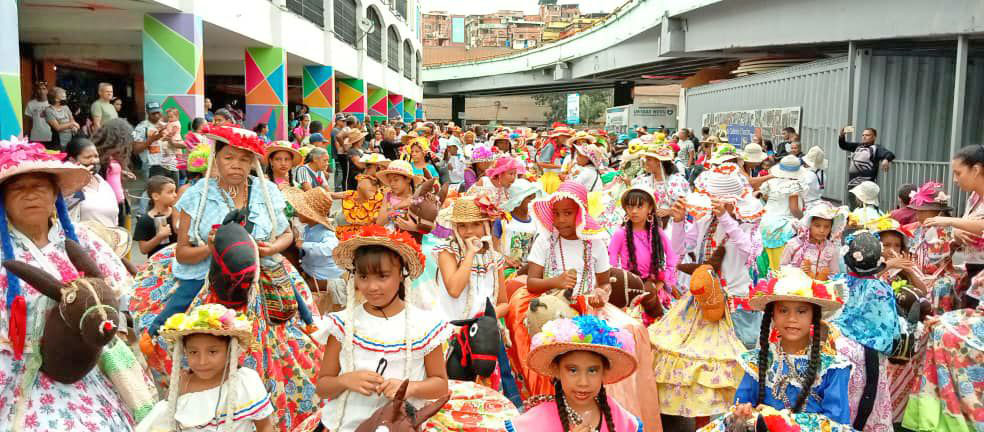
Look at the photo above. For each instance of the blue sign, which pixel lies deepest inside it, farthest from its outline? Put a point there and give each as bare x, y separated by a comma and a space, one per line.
574, 108
740, 134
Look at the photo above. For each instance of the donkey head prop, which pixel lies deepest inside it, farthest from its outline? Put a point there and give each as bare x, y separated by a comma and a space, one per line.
235, 262
627, 287
475, 347
399, 416
705, 285
84, 321
547, 308
425, 205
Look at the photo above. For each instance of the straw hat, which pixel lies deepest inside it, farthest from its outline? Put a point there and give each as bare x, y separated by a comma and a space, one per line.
116, 237
663, 152
815, 159
18, 156
789, 167
501, 136
474, 209
375, 159
792, 284
587, 227
593, 153
560, 130
400, 242
867, 192
520, 189
565, 335
211, 318
315, 204
400, 167
724, 152
240, 138
405, 139
753, 153
581, 136
283, 146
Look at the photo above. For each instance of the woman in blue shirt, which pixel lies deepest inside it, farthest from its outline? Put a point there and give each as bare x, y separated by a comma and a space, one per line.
418, 159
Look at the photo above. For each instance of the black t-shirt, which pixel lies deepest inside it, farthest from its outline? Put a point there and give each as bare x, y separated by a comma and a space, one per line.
390, 149
146, 229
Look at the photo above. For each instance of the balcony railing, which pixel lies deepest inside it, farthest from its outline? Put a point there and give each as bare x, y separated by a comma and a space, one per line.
311, 10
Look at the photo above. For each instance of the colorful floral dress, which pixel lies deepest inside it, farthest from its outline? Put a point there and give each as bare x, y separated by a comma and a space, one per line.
358, 213
29, 400
952, 377
668, 190
827, 407
931, 251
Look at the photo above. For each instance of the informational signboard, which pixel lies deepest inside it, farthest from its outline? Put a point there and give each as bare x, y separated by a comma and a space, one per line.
458, 30
741, 126
617, 119
574, 108
626, 118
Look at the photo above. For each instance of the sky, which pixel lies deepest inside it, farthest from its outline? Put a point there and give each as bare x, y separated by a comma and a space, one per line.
469, 7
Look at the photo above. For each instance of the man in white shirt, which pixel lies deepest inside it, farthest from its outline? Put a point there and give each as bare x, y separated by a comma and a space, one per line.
40, 130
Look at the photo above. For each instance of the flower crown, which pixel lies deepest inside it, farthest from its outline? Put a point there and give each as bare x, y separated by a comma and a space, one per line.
19, 150
726, 150
243, 141
583, 329
397, 236
207, 318
929, 193
482, 154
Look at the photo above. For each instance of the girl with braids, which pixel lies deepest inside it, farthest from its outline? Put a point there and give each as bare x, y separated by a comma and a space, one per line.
214, 389
648, 254
280, 160
580, 355
379, 339
794, 378
814, 249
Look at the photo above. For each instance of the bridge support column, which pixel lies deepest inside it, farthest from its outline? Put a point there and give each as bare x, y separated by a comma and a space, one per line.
266, 90
457, 109
624, 91
11, 111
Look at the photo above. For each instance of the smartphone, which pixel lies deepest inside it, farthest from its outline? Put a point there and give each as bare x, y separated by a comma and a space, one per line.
159, 222
849, 129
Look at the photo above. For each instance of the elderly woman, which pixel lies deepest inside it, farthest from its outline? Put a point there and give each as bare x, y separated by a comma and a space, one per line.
284, 356
34, 227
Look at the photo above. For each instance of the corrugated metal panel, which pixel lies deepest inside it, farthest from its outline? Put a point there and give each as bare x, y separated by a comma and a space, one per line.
974, 108
820, 88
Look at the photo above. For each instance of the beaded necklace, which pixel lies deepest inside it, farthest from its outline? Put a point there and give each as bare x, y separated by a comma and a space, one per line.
585, 284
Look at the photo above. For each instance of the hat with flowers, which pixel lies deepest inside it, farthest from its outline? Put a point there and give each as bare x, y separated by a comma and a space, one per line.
19, 156
243, 139
793, 284
482, 153
583, 333
400, 242
930, 196
210, 318
725, 153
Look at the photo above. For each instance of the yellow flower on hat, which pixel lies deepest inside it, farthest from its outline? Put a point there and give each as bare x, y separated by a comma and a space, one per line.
175, 322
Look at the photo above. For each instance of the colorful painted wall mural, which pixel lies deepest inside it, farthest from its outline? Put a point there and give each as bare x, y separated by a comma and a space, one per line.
319, 93
266, 90
173, 65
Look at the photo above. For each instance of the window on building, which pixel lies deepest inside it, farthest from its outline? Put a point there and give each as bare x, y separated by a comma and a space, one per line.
311, 10
345, 21
401, 8
393, 49
407, 60
374, 40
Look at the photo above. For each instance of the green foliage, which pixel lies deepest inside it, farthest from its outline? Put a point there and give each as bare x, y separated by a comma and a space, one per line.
593, 106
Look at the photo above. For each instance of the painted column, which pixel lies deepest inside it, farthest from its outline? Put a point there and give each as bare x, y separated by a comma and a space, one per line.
420, 112
10, 83
173, 65
395, 106
319, 93
266, 90
352, 97
409, 110
378, 98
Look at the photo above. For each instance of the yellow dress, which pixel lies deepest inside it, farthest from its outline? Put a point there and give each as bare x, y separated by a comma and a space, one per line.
695, 361
358, 213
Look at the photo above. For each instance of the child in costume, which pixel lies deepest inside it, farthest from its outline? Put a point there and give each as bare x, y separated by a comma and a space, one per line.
378, 340
648, 254
581, 355
661, 175
215, 394
394, 213
361, 206
504, 171
469, 269
316, 244
569, 261
931, 246
866, 195
815, 249
373, 163
782, 208
869, 325
551, 156
589, 160
516, 232
481, 160
795, 378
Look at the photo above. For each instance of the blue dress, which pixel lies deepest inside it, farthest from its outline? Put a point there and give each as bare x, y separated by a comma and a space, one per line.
869, 315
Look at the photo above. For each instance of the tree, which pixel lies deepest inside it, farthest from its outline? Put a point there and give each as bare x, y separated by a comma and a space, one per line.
547, 2
593, 105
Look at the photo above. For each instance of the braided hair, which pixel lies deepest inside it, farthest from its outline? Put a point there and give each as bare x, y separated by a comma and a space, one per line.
606, 410
636, 197
764, 354
565, 422
813, 366
602, 399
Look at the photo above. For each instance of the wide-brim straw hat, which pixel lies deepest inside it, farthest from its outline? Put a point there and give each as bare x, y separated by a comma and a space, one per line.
283, 146
375, 159
815, 159
867, 192
116, 237
400, 242
405, 139
789, 167
465, 210
355, 135
579, 137
19, 156
753, 153
546, 346
661, 151
208, 319
793, 284
400, 167
587, 227
314, 204
724, 153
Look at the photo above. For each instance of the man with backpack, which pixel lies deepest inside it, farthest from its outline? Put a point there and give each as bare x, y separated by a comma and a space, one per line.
866, 159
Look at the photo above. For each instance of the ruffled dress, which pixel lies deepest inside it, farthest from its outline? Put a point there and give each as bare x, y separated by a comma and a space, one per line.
931, 251
827, 407
358, 213
29, 400
778, 224
205, 411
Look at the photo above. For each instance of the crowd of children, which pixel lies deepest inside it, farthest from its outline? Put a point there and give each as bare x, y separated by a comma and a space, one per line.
746, 303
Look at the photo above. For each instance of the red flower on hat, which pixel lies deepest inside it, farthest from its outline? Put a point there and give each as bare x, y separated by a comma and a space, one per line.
488, 207
398, 236
763, 288
820, 292
250, 142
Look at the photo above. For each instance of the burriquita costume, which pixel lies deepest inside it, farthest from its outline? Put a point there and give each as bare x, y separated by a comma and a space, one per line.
285, 356
826, 408
236, 403
561, 336
32, 400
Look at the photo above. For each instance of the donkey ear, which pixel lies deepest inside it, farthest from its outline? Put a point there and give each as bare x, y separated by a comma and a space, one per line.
688, 268
717, 258
464, 322
81, 259
443, 194
37, 278
401, 394
489, 309
428, 411
425, 188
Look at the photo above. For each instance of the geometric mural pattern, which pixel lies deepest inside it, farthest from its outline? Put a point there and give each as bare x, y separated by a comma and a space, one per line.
318, 88
409, 110
266, 90
352, 97
377, 104
173, 64
395, 106
10, 83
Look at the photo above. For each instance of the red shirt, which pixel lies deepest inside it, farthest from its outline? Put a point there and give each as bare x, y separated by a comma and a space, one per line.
904, 215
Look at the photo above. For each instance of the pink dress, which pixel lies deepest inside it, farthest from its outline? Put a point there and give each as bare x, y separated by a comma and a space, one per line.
824, 256
545, 418
114, 176
618, 253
